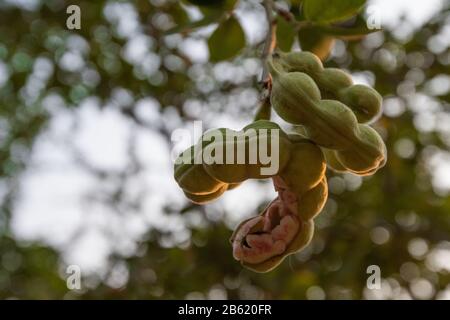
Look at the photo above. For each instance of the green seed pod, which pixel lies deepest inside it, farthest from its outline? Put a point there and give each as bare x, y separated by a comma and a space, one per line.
366, 102
332, 162
298, 62
249, 143
305, 169
296, 98
192, 177
332, 80
232, 186
302, 185
367, 155
263, 124
311, 203
333, 83
336, 127
289, 92
329, 123
205, 198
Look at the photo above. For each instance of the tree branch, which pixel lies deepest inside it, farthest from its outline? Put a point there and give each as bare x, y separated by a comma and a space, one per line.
269, 43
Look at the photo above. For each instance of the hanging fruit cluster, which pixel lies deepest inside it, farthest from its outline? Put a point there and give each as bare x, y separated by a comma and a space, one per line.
330, 116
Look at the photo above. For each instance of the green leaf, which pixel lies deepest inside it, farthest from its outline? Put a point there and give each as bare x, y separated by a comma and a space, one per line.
226, 41
312, 39
354, 32
191, 26
330, 11
285, 34
212, 11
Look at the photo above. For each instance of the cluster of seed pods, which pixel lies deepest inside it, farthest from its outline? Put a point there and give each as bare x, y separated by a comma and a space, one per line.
330, 110
330, 116
286, 225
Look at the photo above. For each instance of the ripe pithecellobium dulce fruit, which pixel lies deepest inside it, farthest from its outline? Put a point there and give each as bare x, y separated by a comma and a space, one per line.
262, 243
329, 114
329, 123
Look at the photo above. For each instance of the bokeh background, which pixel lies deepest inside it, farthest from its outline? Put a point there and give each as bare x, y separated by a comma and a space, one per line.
86, 120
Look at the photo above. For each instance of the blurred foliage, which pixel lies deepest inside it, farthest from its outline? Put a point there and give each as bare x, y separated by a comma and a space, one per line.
226, 41
322, 11
376, 222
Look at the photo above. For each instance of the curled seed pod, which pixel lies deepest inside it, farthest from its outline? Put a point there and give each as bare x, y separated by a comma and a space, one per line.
333, 83
367, 155
329, 123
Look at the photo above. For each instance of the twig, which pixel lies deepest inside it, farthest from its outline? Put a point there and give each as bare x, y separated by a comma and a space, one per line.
269, 43
285, 14
289, 17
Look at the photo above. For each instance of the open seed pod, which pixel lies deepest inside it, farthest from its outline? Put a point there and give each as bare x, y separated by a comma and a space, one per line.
261, 243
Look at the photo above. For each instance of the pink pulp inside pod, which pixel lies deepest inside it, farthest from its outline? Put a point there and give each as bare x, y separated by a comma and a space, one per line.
269, 234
